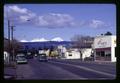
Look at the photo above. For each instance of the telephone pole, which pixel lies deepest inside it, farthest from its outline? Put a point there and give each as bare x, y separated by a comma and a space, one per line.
12, 40
9, 42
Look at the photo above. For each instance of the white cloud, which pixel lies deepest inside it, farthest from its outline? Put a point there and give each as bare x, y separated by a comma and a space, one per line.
55, 20
50, 20
17, 9
18, 14
24, 18
97, 24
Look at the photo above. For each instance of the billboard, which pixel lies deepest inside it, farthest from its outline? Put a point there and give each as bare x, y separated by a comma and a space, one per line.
103, 42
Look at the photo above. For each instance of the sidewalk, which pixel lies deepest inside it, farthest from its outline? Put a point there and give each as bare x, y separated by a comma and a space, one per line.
10, 71
25, 72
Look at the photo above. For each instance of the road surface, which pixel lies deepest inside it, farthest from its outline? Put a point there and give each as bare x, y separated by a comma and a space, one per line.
66, 70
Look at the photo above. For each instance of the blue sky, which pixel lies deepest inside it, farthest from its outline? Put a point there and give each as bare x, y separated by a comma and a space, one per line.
49, 21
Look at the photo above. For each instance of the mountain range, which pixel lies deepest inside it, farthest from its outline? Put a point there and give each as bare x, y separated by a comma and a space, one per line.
46, 44
58, 39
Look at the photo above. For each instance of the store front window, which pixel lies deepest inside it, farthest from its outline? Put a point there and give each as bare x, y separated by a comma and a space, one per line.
103, 55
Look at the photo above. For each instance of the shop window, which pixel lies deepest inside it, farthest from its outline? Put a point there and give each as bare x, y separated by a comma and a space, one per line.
108, 55
98, 53
102, 54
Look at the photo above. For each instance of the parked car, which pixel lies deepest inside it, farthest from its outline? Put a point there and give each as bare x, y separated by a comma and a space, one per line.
21, 58
42, 57
29, 55
89, 59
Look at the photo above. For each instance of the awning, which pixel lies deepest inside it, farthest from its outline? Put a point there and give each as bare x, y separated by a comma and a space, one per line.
103, 49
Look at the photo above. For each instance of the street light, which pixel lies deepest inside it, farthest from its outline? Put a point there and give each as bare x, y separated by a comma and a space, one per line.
10, 38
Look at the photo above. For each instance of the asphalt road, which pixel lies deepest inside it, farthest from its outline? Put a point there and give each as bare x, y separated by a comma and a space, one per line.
66, 70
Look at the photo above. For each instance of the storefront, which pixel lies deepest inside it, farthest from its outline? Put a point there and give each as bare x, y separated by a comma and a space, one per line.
104, 48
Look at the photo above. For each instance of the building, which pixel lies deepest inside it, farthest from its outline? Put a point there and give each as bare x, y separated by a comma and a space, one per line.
6, 51
86, 52
72, 54
104, 48
61, 51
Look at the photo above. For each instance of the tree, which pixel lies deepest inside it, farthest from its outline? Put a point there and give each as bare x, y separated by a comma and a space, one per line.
12, 47
6, 44
108, 33
15, 44
80, 41
54, 53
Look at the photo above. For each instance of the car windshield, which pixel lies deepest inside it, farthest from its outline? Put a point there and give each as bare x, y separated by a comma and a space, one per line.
42, 55
21, 57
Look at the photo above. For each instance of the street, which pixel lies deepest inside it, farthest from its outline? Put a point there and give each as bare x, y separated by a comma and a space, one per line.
60, 42
66, 70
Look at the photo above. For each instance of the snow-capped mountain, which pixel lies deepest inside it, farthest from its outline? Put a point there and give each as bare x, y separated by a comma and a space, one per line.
23, 41
39, 40
57, 39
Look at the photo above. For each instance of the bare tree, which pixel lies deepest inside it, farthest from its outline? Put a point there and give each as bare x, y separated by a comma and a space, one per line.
6, 44
80, 42
15, 44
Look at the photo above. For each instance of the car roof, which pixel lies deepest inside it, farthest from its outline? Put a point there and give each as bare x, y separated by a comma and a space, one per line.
20, 55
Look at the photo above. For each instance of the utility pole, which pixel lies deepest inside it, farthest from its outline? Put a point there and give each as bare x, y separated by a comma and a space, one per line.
9, 42
12, 40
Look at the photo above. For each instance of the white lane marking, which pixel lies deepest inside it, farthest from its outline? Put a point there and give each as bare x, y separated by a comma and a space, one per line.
88, 69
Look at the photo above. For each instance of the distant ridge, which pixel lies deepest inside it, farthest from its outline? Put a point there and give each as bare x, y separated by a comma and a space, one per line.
47, 44
45, 41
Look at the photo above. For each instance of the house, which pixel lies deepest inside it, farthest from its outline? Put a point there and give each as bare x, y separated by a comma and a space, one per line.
72, 54
104, 48
86, 52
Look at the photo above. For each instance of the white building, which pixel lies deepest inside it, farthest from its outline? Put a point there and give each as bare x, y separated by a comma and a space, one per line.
104, 48
61, 51
86, 52
41, 51
6, 57
72, 54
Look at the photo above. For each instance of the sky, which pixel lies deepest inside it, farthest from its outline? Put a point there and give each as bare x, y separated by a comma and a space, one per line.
59, 21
